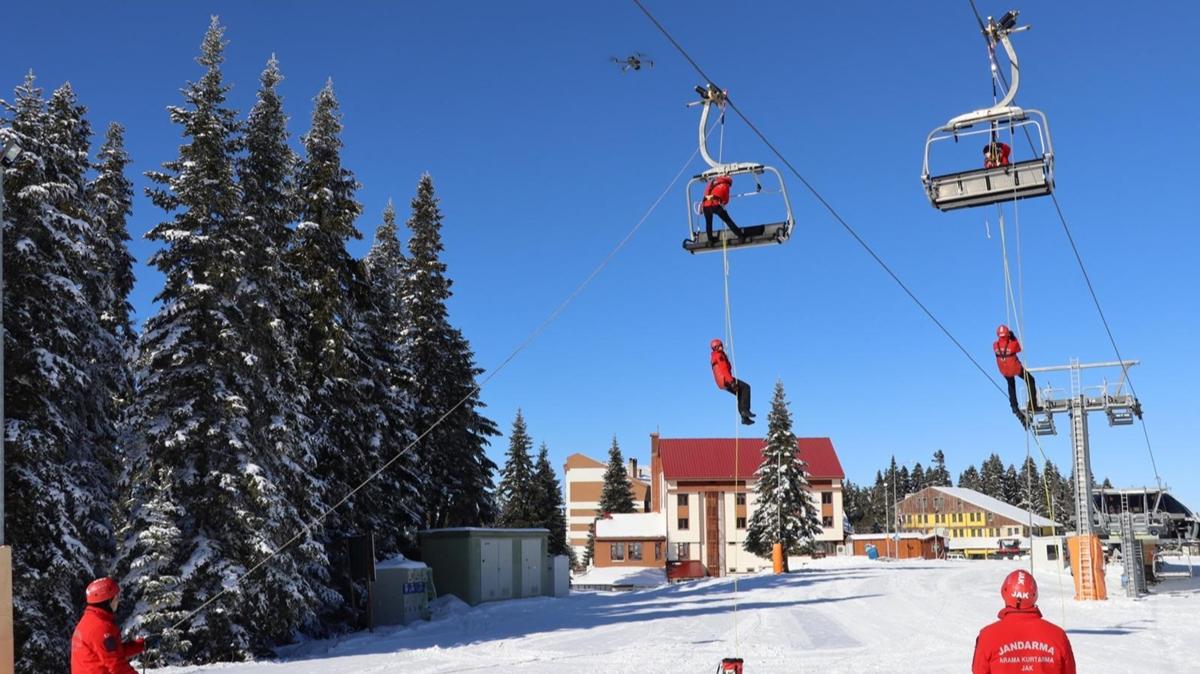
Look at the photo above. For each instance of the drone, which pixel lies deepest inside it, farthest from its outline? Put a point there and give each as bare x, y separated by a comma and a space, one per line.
633, 62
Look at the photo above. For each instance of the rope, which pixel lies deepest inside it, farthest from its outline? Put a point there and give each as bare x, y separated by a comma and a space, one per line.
474, 390
817, 195
737, 642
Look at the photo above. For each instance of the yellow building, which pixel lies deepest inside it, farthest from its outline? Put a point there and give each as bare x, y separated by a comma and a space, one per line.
972, 523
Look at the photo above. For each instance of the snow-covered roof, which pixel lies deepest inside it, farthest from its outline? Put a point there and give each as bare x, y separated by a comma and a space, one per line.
632, 525
401, 562
997, 506
983, 542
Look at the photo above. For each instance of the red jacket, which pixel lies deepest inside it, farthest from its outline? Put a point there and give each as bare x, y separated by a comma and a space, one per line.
1006, 350
96, 646
722, 371
1005, 151
1022, 642
716, 193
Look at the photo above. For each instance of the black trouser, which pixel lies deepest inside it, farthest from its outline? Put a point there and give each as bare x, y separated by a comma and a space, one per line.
1030, 386
741, 389
721, 213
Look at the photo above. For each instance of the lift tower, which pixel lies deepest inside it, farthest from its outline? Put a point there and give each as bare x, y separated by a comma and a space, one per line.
1087, 558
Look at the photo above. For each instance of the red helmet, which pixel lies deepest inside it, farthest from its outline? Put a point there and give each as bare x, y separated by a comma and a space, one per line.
102, 590
716, 344
1019, 590
725, 179
1003, 331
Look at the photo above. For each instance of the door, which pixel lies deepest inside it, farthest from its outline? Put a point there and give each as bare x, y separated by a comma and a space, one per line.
531, 568
495, 568
712, 532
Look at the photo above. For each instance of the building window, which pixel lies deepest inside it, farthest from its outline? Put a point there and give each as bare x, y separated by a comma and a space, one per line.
635, 552
683, 551
1051, 552
740, 498
681, 499
658, 549
683, 523
827, 521
741, 522
617, 551
826, 497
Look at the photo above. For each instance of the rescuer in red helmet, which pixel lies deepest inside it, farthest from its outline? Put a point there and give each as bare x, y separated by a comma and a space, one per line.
716, 196
723, 374
1006, 348
1021, 641
96, 646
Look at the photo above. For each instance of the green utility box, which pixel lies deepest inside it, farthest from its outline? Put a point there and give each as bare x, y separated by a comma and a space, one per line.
478, 565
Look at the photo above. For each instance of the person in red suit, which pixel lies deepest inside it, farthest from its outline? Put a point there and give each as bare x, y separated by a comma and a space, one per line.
1006, 348
996, 154
716, 196
723, 374
1021, 640
96, 646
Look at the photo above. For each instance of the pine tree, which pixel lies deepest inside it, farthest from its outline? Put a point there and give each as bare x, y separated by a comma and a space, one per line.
517, 494
969, 479
1012, 488
853, 504
1031, 492
918, 480
938, 476
903, 483
616, 495
552, 516
197, 412
784, 510
59, 422
991, 477
442, 374
112, 195
381, 326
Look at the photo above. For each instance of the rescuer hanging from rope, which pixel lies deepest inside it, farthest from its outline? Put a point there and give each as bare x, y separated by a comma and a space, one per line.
1006, 348
716, 195
723, 373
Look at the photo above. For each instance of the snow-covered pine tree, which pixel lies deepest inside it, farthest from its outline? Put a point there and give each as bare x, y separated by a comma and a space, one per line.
517, 496
1032, 491
336, 360
917, 481
1012, 489
551, 508
112, 197
381, 326
58, 489
616, 494
442, 374
194, 416
784, 511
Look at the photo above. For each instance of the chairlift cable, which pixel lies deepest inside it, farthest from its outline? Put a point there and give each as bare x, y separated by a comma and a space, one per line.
1088, 281
817, 195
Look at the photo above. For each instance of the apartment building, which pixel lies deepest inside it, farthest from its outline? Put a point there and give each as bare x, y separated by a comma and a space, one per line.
583, 481
972, 523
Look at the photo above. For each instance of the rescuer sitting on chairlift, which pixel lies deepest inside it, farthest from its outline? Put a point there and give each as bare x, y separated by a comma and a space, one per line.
716, 195
996, 154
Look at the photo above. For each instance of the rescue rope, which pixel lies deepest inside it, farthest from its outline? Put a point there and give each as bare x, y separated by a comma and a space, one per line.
737, 642
474, 390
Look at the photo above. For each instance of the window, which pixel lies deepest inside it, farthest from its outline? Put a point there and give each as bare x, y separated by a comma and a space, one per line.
683, 551
617, 551
1051, 552
683, 523
681, 499
658, 549
741, 499
826, 497
741, 522
635, 552
827, 521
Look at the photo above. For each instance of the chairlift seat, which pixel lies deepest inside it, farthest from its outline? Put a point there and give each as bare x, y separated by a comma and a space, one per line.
1042, 424
754, 235
1119, 416
981, 187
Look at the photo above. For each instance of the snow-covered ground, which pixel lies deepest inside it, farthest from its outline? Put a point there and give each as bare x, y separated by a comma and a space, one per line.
832, 615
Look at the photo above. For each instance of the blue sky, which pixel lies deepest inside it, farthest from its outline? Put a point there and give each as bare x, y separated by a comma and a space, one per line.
544, 155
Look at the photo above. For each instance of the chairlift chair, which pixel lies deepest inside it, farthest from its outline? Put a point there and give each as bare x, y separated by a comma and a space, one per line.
773, 232
1017, 180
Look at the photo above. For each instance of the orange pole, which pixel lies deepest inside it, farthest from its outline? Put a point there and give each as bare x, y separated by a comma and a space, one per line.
777, 557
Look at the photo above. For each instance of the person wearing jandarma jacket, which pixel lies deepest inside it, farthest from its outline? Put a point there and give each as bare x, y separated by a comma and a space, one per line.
96, 645
1021, 640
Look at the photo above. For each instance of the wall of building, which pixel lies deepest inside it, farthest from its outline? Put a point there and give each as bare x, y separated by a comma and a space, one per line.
653, 552
582, 484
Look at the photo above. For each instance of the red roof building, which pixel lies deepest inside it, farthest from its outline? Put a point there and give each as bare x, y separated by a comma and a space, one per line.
704, 489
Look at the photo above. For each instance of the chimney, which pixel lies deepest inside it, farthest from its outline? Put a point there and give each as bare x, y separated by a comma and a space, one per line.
655, 474
633, 468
